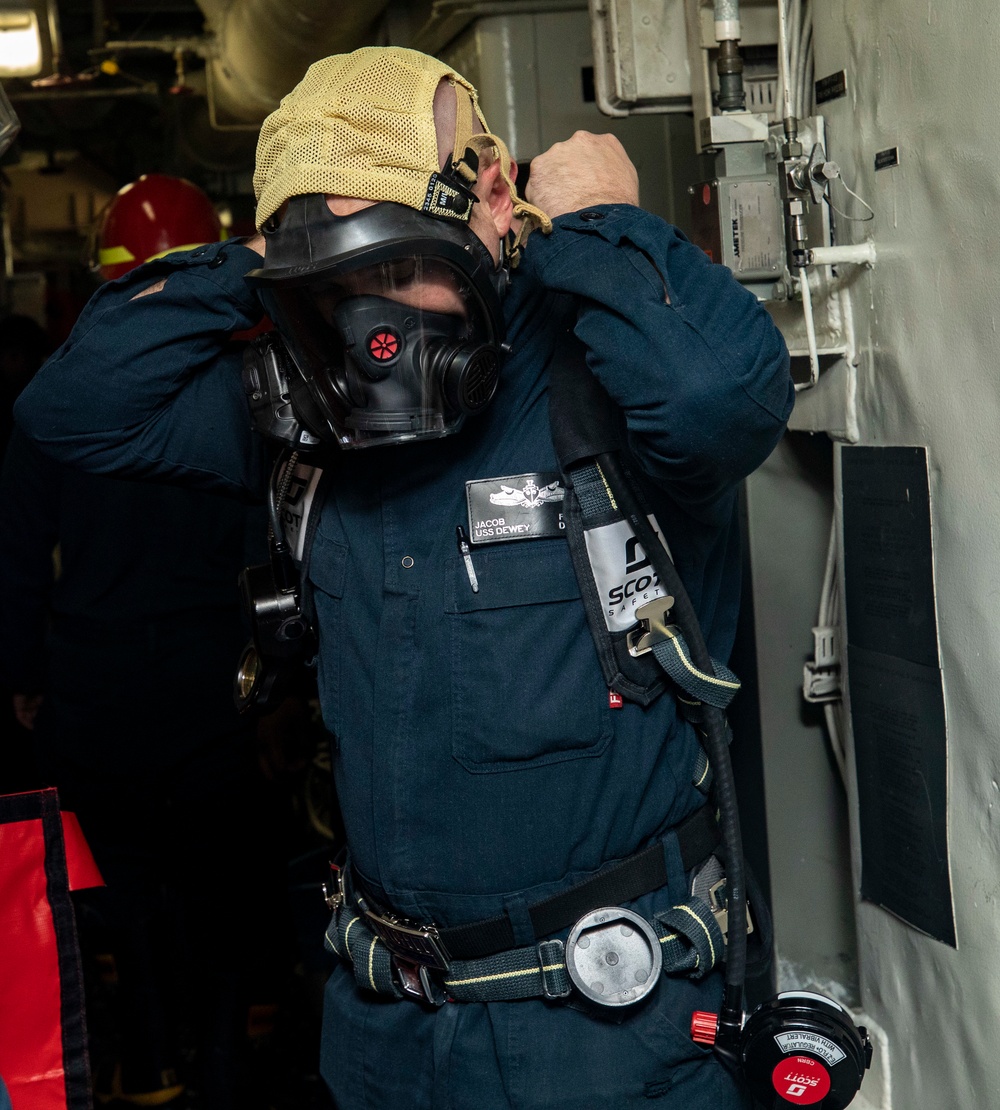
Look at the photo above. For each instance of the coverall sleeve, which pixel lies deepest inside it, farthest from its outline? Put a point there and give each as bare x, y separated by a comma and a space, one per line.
692, 358
146, 388
29, 507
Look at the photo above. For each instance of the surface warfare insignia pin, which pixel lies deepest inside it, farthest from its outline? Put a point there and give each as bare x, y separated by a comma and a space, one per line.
515, 507
529, 496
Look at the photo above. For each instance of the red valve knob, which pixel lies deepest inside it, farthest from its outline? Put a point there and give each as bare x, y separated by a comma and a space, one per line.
704, 1027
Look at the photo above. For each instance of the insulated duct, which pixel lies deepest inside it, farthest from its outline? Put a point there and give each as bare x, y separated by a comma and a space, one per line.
263, 47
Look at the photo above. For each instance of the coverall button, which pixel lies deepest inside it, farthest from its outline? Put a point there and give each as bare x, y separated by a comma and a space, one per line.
407, 561
591, 214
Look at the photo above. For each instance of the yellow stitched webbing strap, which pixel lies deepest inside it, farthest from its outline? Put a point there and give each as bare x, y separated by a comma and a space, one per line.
350, 938
690, 937
528, 217
674, 657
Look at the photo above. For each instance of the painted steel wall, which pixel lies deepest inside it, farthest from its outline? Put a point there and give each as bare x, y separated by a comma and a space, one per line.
923, 78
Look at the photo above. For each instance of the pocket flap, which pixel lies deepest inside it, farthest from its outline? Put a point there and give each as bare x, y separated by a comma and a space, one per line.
531, 572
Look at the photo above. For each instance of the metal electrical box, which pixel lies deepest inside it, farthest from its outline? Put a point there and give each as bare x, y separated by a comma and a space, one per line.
737, 221
640, 56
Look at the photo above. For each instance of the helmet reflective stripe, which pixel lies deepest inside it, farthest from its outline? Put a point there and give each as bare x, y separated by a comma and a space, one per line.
151, 217
114, 256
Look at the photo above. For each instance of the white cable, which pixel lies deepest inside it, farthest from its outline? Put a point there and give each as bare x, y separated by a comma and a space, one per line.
803, 99
802, 50
807, 311
829, 615
833, 713
829, 577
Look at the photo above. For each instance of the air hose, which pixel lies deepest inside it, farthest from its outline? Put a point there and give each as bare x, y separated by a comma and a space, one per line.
717, 748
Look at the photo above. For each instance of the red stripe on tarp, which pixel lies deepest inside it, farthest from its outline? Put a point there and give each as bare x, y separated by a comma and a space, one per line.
81, 867
31, 1054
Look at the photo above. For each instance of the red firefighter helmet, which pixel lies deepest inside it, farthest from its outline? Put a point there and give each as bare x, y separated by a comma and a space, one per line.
150, 217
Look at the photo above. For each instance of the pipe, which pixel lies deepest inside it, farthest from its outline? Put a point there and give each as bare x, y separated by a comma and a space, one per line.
727, 20
784, 77
861, 254
729, 64
265, 46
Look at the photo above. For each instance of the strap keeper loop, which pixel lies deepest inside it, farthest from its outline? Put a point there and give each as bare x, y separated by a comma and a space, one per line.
552, 965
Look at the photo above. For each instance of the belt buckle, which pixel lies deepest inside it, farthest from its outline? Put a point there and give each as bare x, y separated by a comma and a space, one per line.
409, 940
333, 893
719, 904
652, 628
415, 981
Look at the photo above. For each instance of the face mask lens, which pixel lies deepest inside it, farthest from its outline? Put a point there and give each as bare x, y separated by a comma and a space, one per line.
395, 351
423, 284
392, 320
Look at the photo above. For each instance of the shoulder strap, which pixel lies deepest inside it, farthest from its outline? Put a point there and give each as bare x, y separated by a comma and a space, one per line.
586, 422
613, 565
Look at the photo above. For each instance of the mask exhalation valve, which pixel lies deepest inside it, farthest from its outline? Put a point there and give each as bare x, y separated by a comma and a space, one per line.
468, 375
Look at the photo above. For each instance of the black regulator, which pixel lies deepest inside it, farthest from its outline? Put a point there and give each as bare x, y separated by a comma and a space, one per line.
796, 1049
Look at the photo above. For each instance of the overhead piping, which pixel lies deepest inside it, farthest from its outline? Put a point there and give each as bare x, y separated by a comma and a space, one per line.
263, 47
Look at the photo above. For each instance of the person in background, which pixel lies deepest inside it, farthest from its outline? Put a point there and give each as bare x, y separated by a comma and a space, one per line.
120, 630
493, 787
24, 346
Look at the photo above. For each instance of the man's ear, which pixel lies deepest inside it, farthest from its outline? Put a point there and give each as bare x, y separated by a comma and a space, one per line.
493, 191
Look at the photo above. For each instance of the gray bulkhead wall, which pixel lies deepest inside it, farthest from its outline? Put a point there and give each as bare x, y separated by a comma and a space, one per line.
923, 78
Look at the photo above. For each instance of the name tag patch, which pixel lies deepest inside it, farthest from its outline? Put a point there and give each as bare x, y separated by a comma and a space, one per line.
516, 507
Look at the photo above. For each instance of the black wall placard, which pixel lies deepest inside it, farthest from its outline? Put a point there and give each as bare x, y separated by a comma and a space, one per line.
894, 675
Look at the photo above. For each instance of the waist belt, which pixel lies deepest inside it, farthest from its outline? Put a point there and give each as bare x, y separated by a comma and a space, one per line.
622, 882
479, 961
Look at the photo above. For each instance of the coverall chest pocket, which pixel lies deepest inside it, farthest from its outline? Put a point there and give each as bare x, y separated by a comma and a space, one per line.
526, 681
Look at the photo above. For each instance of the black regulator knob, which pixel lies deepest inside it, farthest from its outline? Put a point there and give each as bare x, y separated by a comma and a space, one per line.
797, 1049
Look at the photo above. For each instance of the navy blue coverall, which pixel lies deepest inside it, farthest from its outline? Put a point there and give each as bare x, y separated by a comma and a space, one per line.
478, 764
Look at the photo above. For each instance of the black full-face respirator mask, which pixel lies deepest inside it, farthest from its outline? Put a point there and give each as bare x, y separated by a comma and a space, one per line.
389, 326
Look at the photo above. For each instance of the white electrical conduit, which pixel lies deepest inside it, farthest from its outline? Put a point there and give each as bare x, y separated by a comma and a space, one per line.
727, 20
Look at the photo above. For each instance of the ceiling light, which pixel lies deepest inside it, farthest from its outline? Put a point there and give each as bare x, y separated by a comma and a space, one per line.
20, 43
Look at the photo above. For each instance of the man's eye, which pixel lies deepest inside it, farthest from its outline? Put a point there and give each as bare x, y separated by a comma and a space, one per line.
402, 272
